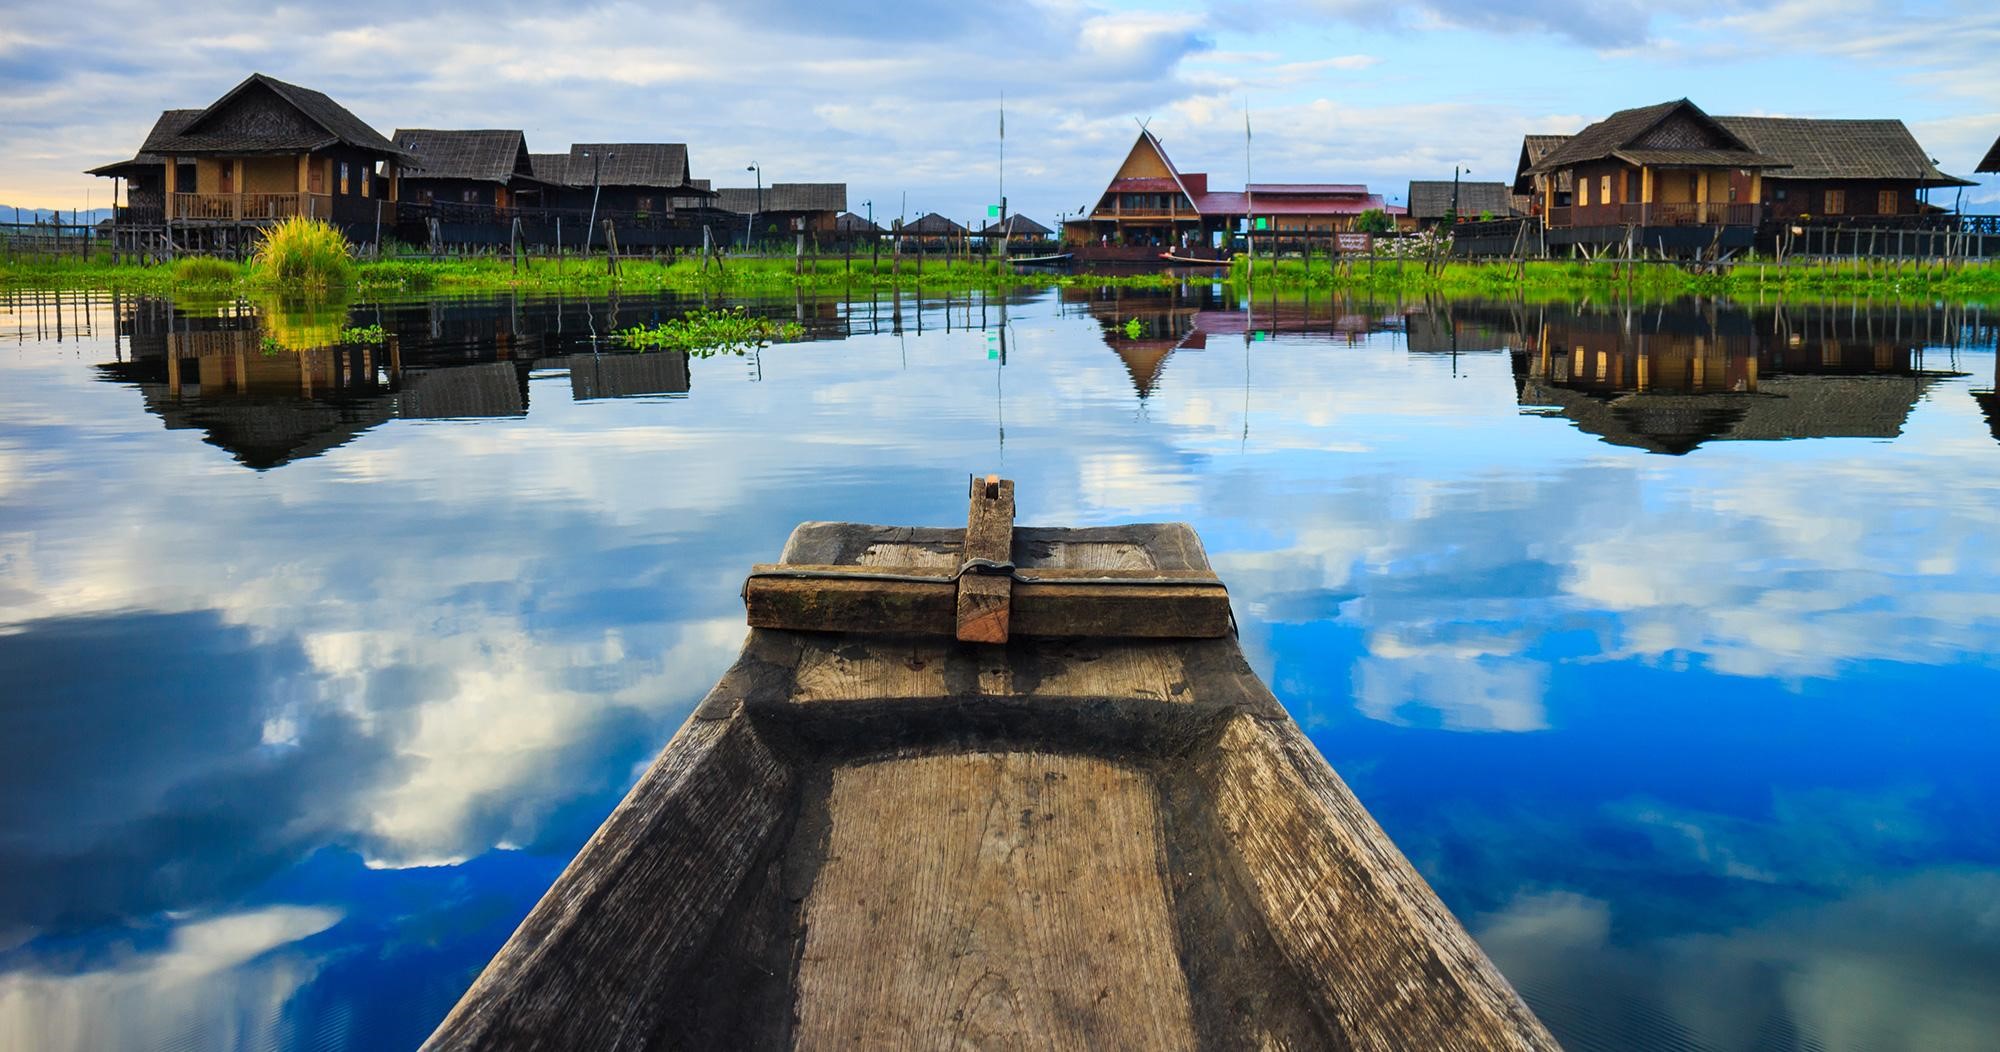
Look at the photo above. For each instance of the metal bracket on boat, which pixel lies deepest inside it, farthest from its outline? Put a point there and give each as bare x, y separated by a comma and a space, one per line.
988, 599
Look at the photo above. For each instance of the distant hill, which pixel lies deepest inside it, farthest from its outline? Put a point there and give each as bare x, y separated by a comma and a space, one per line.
44, 215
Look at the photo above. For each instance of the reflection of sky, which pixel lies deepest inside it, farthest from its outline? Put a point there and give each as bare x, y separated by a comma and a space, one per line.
1702, 747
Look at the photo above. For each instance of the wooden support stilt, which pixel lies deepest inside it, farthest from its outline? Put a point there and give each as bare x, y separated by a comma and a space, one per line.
984, 598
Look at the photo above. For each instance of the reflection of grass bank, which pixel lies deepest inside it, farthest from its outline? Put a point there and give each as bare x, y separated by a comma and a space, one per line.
1856, 279
831, 276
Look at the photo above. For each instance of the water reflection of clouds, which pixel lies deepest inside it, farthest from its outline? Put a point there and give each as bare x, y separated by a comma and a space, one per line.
445, 638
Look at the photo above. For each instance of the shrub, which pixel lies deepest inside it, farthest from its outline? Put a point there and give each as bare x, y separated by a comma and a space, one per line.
204, 270
304, 253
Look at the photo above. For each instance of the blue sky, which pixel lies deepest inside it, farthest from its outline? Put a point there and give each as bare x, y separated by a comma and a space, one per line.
899, 99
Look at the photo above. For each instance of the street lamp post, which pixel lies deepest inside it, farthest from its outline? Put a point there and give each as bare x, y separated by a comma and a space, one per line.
750, 226
596, 185
874, 237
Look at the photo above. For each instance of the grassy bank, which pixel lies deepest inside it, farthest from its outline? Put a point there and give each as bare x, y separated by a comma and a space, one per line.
570, 274
1855, 279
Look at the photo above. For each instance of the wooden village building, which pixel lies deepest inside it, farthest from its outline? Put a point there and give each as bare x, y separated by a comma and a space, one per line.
265, 151
1016, 227
1666, 177
784, 209
641, 188
1992, 161
1150, 205
466, 182
1431, 201
932, 230
1676, 179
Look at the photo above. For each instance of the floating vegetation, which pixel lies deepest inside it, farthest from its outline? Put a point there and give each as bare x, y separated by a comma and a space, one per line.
1133, 329
362, 334
710, 330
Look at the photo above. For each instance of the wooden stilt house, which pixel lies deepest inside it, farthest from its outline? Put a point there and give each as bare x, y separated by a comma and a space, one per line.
263, 152
1667, 178
466, 186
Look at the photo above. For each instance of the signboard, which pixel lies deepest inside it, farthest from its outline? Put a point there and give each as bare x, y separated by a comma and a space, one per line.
1361, 244
992, 211
1263, 222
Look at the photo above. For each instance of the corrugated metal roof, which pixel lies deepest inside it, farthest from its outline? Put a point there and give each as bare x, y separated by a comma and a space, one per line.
1315, 189
648, 165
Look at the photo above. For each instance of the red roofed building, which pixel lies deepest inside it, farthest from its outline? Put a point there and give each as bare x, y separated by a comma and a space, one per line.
1150, 203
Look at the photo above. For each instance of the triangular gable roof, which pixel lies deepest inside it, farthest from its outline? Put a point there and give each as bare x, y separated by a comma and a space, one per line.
849, 223
1992, 161
1151, 142
1623, 136
550, 168
1533, 149
337, 126
932, 223
1016, 225
488, 155
1840, 149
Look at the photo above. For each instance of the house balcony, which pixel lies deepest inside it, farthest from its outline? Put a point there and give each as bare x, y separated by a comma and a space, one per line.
1690, 213
249, 208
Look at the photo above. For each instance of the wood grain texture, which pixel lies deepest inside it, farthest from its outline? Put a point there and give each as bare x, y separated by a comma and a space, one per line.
1164, 604
1392, 966
983, 599
590, 965
992, 901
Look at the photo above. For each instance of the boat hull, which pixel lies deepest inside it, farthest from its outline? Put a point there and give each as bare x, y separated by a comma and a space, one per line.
890, 841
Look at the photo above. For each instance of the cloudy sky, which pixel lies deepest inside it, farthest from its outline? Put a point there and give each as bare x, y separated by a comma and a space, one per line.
900, 98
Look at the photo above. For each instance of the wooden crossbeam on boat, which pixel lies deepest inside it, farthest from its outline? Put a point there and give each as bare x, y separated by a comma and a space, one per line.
920, 815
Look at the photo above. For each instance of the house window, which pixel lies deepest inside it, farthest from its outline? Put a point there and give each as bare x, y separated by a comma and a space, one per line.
426, 195
367, 177
644, 205
1886, 203
316, 179
343, 178
470, 197
1583, 193
1604, 189
1836, 202
1779, 193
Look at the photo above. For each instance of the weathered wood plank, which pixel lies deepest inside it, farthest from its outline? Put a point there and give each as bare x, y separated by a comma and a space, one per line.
1361, 927
983, 599
1007, 900
1191, 610
624, 922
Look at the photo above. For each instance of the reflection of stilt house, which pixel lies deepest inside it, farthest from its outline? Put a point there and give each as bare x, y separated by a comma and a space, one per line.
1668, 380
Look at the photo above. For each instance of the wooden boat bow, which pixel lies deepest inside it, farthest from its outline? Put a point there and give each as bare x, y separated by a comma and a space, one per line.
990, 787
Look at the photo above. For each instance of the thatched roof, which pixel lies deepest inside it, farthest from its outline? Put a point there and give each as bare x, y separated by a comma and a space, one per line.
1016, 225
783, 197
487, 156
646, 165
326, 123
933, 225
1840, 149
1431, 199
1992, 161
1533, 149
1667, 134
170, 124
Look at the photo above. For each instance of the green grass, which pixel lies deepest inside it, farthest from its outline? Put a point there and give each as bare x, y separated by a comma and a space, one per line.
710, 331
1877, 279
206, 270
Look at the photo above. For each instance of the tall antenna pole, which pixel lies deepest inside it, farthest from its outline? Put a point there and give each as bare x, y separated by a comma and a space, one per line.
1249, 201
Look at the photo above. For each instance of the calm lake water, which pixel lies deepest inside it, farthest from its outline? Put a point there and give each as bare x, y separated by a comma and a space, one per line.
1665, 640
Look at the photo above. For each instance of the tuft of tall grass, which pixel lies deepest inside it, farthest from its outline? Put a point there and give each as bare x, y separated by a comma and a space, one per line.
304, 253
205, 270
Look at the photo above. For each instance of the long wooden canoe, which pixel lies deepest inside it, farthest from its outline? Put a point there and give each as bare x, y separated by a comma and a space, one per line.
990, 788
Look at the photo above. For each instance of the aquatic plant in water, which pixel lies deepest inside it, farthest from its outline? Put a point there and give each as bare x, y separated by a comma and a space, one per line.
710, 330
303, 253
1134, 330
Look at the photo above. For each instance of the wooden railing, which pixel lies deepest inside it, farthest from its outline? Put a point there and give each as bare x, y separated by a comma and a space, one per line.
250, 207
1690, 213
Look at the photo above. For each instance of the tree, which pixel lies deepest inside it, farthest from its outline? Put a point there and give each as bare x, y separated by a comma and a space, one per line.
1374, 221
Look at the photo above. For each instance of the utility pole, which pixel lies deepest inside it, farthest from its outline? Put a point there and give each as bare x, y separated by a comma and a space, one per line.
596, 184
750, 225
